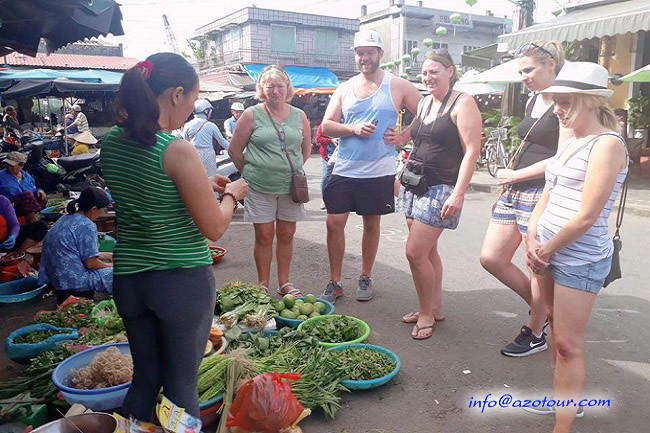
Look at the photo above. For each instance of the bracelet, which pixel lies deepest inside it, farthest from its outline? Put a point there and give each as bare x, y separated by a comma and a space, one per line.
228, 194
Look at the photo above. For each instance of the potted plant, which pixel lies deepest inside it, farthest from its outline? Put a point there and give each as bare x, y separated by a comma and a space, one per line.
639, 115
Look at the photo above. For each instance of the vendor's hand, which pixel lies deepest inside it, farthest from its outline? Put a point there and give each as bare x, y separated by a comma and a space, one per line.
107, 257
394, 138
452, 206
238, 188
219, 183
363, 129
41, 194
9, 243
506, 176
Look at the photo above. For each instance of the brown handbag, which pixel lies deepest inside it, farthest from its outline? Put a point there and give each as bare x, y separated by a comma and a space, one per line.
299, 188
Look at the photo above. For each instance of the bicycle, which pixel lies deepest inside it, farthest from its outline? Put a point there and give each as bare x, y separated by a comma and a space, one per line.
495, 151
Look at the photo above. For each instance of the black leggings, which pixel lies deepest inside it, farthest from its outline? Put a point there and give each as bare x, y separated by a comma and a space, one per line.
168, 316
35, 231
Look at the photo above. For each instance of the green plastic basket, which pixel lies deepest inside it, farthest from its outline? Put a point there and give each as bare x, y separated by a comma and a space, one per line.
364, 326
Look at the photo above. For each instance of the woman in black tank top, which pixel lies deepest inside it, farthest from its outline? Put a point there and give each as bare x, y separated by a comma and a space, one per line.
446, 135
539, 64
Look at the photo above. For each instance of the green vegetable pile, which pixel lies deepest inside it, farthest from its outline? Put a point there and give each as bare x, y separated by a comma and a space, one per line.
334, 329
35, 337
299, 309
365, 364
241, 301
212, 377
71, 316
260, 346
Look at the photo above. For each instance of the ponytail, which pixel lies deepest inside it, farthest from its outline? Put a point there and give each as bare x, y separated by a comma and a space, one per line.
608, 119
137, 100
71, 207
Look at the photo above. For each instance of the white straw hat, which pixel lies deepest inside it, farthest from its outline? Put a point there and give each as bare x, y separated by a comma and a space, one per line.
85, 138
586, 78
367, 38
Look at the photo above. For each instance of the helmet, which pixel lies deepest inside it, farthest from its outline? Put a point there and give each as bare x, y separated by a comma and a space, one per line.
202, 106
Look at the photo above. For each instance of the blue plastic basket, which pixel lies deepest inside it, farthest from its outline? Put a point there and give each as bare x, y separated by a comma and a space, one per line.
95, 399
20, 290
213, 401
23, 352
293, 323
373, 383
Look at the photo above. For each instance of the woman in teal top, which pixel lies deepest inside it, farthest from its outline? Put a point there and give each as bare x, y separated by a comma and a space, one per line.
266, 169
163, 283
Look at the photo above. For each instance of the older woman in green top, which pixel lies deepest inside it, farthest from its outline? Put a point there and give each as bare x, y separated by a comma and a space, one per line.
163, 283
266, 169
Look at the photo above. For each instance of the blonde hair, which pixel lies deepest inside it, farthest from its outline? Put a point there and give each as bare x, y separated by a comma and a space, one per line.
604, 112
273, 73
543, 51
443, 57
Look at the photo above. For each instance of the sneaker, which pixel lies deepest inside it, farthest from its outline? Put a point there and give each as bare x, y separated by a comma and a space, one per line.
365, 290
322, 205
525, 344
332, 292
545, 410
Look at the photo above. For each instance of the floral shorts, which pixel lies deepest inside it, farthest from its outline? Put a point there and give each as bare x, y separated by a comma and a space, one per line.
426, 208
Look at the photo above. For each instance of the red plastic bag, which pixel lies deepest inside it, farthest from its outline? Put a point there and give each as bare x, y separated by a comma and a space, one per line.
265, 404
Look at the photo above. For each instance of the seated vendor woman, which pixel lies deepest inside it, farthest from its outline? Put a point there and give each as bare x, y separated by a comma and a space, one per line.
71, 262
13, 236
19, 187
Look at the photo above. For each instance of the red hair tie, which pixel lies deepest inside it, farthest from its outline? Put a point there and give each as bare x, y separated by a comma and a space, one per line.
146, 69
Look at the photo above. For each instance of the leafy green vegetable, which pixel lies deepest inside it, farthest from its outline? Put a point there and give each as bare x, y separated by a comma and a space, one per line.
236, 293
365, 364
334, 329
35, 337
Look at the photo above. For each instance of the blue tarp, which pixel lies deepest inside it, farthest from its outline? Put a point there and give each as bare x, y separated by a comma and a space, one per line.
302, 77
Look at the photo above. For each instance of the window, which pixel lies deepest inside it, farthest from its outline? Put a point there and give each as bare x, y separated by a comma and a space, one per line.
409, 45
235, 39
283, 39
437, 45
327, 42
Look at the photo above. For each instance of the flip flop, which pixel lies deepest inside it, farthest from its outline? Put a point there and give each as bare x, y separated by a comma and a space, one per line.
292, 291
421, 328
416, 314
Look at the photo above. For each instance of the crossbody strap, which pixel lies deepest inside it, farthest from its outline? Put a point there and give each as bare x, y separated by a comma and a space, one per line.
511, 163
281, 137
191, 139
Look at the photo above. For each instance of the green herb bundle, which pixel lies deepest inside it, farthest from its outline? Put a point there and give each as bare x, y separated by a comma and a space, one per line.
334, 329
35, 337
365, 364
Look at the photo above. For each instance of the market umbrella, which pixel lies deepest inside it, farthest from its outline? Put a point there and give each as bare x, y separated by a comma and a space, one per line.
59, 22
501, 74
59, 87
640, 75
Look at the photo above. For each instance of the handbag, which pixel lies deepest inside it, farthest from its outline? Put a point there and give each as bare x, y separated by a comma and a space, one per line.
299, 188
615, 269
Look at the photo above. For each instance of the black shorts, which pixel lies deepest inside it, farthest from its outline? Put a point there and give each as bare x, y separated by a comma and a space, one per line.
371, 196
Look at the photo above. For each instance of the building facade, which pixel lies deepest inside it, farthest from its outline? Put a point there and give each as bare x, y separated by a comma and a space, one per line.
403, 27
257, 35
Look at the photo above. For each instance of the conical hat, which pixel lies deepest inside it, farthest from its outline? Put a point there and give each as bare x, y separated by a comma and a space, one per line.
85, 137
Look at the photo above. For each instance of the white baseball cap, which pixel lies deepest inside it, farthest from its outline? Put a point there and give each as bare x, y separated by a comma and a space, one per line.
367, 38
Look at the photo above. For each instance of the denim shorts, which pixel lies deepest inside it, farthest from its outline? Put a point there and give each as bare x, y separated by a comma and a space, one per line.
426, 208
589, 278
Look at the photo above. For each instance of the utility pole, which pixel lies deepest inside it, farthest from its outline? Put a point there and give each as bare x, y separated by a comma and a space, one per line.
523, 14
170, 38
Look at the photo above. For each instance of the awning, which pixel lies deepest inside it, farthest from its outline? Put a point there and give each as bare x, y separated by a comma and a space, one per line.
586, 23
302, 77
639, 76
87, 75
59, 87
501, 74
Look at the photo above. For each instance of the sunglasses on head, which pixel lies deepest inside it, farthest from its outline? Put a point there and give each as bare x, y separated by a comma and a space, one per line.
526, 48
441, 52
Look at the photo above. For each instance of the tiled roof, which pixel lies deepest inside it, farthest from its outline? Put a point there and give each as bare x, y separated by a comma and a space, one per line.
69, 61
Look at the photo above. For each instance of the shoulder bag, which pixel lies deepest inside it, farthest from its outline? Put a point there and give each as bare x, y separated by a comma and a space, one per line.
299, 188
615, 269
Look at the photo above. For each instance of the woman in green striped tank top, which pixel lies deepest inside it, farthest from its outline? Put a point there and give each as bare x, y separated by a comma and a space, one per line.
163, 284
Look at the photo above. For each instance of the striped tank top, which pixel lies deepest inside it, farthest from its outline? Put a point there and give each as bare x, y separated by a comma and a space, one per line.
565, 183
155, 229
367, 157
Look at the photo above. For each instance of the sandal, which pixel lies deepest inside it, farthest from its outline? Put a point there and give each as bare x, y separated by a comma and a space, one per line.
421, 328
415, 314
292, 291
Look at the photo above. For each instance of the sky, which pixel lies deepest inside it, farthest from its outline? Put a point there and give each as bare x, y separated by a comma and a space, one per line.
145, 35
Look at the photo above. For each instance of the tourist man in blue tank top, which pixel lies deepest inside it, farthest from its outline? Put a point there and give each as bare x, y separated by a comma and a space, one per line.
363, 114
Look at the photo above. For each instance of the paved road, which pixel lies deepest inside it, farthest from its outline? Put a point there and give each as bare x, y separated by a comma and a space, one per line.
431, 393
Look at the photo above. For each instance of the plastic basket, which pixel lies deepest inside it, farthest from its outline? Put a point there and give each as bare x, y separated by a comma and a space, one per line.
20, 290
364, 326
372, 383
23, 352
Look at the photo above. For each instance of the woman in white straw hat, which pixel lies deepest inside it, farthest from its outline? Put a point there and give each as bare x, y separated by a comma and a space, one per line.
568, 247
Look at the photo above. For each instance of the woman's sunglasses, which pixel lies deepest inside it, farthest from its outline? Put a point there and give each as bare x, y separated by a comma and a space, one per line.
526, 48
